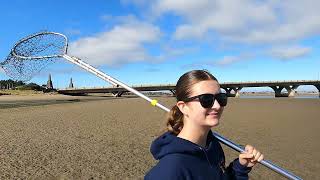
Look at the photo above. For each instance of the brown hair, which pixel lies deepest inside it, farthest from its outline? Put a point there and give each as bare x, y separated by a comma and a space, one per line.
183, 91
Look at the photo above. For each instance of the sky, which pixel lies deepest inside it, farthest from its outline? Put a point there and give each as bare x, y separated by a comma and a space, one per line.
141, 42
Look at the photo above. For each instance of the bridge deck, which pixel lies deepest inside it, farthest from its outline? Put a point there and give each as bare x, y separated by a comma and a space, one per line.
171, 87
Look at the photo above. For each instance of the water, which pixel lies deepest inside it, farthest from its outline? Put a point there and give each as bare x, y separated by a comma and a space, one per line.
255, 97
272, 96
307, 97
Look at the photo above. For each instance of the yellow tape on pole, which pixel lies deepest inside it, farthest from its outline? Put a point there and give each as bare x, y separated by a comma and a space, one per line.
154, 102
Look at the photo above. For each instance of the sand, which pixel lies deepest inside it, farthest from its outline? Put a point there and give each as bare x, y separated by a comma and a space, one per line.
109, 138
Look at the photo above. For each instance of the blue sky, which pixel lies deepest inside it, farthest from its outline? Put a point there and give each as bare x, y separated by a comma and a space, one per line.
154, 42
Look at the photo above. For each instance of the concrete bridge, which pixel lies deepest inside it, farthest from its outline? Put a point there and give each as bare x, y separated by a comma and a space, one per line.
277, 86
232, 88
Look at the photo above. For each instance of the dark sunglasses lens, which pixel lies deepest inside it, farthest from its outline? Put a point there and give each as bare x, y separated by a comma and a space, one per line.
222, 99
206, 100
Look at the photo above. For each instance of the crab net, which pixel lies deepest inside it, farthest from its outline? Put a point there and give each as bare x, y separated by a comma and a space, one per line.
33, 53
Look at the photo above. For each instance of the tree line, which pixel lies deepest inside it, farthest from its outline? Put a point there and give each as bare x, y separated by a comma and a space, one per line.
19, 85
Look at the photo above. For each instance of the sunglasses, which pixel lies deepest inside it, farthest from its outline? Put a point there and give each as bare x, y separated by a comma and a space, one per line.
207, 100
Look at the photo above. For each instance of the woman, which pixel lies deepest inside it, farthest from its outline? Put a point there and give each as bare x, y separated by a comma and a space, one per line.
188, 150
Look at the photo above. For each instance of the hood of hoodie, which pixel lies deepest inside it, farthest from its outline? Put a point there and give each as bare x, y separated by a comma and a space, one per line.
169, 143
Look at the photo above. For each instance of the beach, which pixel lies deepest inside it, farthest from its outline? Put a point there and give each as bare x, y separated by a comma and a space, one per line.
93, 137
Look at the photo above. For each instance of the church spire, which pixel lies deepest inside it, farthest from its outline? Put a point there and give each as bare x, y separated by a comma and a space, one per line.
71, 83
49, 83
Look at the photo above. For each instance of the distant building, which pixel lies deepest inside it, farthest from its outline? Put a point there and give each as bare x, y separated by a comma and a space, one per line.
71, 83
49, 83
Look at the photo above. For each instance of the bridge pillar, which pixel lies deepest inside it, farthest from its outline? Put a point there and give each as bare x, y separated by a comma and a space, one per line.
228, 91
291, 90
173, 92
117, 94
237, 91
277, 91
318, 87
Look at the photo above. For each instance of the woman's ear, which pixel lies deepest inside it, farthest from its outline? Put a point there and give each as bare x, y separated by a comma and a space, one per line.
182, 107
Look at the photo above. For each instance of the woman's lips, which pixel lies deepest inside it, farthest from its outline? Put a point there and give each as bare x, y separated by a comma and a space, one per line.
213, 114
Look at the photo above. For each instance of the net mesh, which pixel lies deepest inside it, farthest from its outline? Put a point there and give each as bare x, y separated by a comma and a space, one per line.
24, 69
37, 51
42, 44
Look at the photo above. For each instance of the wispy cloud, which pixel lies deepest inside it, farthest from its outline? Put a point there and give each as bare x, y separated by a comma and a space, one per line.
234, 59
224, 61
289, 52
64, 70
152, 69
168, 53
106, 17
124, 19
135, 2
72, 31
227, 60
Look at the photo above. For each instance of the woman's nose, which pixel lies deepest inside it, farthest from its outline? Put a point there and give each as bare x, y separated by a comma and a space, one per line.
216, 105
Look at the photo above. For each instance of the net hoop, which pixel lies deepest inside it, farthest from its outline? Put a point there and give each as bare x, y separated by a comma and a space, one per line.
13, 50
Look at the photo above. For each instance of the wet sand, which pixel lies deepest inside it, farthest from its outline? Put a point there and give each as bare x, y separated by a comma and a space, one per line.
109, 138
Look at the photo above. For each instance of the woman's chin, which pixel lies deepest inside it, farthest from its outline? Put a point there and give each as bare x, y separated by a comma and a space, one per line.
212, 122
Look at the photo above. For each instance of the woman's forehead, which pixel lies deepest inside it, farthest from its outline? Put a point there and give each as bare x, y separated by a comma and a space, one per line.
208, 86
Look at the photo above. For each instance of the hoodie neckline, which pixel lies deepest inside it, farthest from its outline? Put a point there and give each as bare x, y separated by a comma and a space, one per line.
169, 143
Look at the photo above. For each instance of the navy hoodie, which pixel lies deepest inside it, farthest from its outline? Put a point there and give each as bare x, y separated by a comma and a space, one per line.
180, 159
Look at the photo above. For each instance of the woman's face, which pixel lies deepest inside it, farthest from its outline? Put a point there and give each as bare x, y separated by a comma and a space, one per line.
196, 114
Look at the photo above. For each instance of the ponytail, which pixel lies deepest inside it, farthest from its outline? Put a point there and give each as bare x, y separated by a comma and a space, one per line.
175, 120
